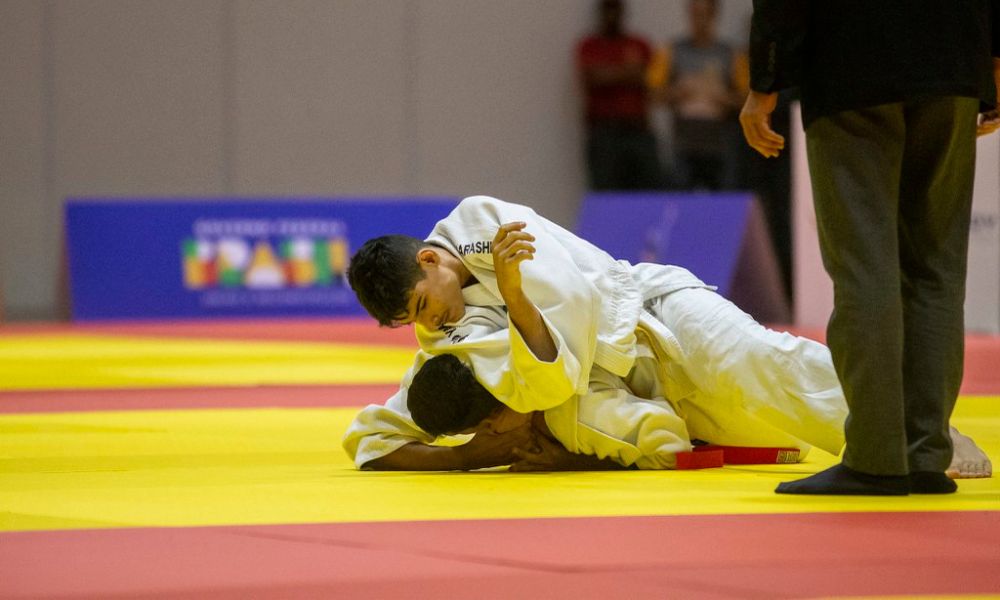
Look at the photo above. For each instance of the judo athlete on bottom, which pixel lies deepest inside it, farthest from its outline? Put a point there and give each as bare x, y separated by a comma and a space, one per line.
627, 363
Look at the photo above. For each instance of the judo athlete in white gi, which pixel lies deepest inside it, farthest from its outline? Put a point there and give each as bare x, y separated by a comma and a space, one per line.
614, 428
543, 317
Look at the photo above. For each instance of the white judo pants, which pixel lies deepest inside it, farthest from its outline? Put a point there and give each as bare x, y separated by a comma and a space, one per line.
739, 383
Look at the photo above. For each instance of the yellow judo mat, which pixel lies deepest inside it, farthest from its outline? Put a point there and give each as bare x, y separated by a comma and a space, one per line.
254, 466
261, 466
94, 361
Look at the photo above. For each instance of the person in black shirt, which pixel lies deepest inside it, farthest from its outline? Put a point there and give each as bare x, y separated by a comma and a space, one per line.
890, 93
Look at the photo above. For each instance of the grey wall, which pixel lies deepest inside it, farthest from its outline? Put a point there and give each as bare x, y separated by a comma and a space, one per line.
286, 97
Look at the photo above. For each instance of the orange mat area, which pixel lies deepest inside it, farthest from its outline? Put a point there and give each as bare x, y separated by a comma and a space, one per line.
288, 396
693, 557
356, 330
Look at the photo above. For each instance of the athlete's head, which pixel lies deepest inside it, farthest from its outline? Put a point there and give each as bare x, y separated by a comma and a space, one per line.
444, 398
400, 280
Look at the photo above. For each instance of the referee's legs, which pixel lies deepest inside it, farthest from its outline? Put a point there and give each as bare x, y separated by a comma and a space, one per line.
935, 210
855, 160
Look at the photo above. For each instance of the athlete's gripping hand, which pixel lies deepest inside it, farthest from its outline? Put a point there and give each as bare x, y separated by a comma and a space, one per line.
551, 456
511, 246
489, 449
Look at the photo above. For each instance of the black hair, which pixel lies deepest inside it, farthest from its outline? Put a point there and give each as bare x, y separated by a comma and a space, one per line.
445, 398
382, 274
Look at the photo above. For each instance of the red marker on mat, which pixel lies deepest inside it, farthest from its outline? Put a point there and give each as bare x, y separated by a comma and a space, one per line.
711, 456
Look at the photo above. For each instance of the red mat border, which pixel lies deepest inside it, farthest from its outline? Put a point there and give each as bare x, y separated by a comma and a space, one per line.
319, 396
722, 556
358, 330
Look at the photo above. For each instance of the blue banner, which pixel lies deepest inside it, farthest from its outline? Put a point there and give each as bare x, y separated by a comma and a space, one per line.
149, 259
700, 232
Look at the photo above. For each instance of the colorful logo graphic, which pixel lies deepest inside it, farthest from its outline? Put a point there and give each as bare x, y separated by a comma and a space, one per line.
265, 255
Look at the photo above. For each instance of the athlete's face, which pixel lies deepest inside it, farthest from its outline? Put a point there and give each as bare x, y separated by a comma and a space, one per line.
436, 299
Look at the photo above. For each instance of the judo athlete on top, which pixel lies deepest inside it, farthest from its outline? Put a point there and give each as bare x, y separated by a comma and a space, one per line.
543, 317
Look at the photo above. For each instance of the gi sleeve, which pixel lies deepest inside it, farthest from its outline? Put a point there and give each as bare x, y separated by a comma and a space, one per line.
536, 384
777, 35
503, 362
614, 423
567, 300
379, 430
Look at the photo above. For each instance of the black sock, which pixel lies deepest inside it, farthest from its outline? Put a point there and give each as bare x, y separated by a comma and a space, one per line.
839, 480
931, 482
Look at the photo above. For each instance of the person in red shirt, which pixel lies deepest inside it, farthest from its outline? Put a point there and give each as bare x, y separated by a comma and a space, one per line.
621, 148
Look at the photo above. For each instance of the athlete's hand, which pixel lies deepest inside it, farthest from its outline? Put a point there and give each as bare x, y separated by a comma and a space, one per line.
488, 449
511, 246
755, 119
551, 456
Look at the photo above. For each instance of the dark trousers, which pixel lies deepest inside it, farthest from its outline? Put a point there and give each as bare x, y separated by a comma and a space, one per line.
892, 186
622, 157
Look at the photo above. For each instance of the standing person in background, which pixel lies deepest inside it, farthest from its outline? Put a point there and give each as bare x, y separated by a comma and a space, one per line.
621, 148
890, 94
703, 81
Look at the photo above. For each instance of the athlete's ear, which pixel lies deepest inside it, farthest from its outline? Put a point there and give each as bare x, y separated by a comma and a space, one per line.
427, 256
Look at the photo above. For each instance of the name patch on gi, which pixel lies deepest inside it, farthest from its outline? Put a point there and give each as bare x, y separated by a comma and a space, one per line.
480, 247
451, 333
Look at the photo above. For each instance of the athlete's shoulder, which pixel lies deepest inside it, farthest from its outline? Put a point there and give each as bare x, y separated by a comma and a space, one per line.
480, 200
482, 207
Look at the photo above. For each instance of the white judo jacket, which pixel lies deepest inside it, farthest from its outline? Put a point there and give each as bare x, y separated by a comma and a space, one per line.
590, 302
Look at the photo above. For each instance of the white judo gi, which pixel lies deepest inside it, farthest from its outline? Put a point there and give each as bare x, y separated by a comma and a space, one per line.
648, 356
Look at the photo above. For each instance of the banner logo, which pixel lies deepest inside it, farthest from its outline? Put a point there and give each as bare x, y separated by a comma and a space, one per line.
262, 254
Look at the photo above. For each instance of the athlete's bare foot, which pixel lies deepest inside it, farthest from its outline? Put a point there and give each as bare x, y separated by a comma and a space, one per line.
968, 461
